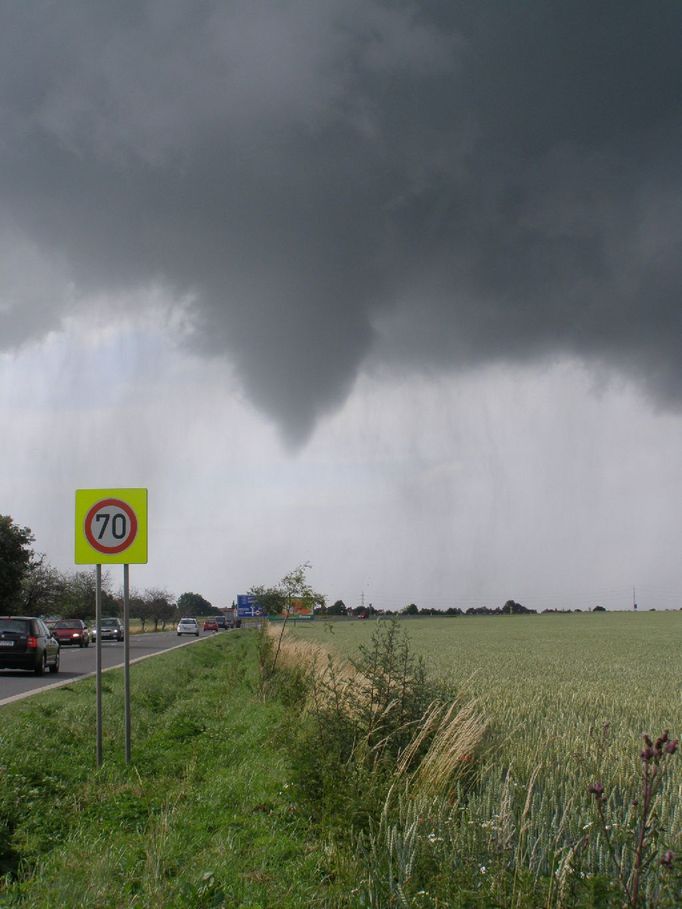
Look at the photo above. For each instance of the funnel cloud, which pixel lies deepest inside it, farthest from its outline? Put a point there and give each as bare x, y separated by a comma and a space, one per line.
350, 184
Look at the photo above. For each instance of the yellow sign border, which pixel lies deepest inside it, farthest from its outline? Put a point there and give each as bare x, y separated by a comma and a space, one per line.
136, 553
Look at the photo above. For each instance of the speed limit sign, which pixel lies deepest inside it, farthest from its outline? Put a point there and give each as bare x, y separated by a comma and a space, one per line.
111, 526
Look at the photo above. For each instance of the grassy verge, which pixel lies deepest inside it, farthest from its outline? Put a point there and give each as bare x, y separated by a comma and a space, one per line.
201, 819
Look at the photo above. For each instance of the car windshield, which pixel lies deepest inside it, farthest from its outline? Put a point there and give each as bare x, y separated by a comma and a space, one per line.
18, 626
109, 622
188, 621
68, 624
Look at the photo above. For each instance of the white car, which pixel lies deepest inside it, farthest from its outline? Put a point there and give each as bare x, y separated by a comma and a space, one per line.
188, 626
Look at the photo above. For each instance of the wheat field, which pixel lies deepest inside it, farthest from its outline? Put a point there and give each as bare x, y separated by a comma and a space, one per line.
567, 698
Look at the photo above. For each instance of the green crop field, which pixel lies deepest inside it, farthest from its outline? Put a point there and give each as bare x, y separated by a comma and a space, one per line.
568, 698
549, 681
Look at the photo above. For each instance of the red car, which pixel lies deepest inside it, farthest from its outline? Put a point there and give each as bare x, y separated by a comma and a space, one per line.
210, 625
72, 631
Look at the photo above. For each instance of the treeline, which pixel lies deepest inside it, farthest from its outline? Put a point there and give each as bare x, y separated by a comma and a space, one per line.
71, 595
30, 585
511, 607
46, 591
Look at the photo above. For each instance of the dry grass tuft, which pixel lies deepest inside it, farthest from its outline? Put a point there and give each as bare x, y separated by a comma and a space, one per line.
454, 734
296, 654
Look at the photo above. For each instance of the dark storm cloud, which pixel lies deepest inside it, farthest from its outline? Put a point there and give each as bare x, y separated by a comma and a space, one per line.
342, 183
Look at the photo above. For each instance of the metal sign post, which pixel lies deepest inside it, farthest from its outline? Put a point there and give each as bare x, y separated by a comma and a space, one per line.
126, 659
111, 529
98, 661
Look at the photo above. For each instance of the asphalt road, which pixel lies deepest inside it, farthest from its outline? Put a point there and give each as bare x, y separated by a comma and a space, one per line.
77, 662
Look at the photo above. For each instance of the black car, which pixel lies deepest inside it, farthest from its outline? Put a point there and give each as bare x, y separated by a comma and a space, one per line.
26, 643
223, 622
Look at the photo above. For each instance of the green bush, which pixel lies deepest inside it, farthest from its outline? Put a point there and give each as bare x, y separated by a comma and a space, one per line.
356, 725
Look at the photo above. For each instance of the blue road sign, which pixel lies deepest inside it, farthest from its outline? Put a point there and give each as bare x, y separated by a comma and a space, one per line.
248, 606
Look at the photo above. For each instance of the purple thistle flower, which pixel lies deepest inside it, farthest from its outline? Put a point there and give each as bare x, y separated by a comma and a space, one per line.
597, 790
667, 859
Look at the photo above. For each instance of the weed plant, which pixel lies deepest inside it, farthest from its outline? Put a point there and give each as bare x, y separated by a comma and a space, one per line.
372, 724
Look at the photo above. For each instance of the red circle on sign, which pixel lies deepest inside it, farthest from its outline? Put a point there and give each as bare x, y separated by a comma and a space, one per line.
97, 544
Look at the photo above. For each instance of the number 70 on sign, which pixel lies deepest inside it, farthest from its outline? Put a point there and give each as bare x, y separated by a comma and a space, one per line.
111, 526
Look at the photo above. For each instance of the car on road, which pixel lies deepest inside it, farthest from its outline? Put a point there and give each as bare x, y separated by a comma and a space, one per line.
72, 631
188, 626
223, 622
26, 643
112, 630
210, 625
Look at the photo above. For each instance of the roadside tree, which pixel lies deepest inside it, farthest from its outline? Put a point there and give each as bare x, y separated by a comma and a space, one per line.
279, 600
42, 588
193, 604
78, 596
15, 560
139, 609
160, 607
272, 599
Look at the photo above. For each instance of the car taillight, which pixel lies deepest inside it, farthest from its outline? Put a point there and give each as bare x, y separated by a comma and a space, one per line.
31, 643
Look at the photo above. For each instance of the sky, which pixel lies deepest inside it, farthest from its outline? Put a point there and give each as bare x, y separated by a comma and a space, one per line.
390, 288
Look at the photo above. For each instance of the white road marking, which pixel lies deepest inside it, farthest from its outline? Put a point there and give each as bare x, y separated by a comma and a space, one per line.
91, 675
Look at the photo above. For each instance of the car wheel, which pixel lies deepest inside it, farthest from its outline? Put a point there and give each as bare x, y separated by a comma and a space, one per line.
55, 666
178, 634
82, 644
196, 634
40, 669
